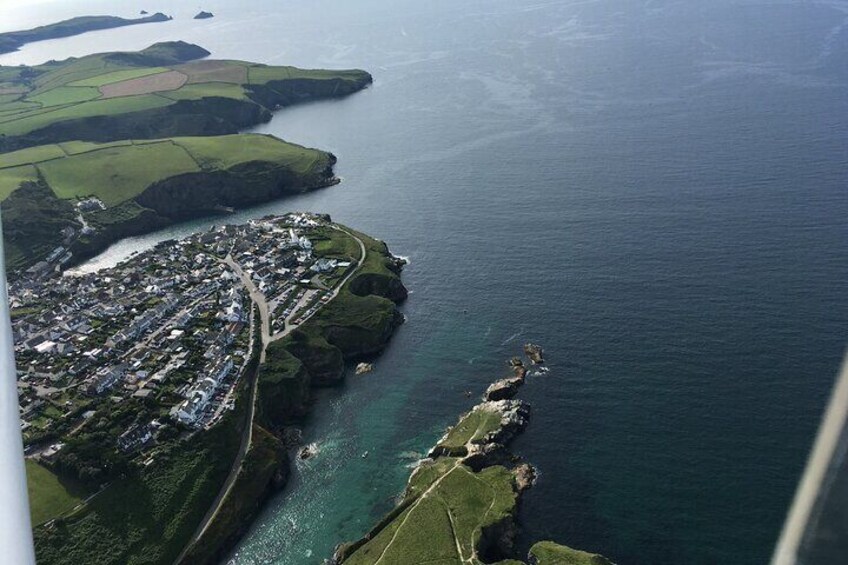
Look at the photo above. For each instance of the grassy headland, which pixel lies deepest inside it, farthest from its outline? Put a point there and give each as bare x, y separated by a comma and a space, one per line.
161, 91
460, 504
14, 40
129, 129
143, 184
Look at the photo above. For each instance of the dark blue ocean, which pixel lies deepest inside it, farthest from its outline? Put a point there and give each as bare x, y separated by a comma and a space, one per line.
655, 191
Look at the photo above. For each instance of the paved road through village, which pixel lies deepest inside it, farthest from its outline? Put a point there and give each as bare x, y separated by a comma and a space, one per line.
259, 299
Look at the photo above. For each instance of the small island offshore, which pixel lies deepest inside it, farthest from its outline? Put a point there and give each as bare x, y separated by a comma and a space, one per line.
154, 394
460, 503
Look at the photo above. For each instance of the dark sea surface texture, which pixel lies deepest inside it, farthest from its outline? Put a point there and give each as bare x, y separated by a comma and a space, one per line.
656, 192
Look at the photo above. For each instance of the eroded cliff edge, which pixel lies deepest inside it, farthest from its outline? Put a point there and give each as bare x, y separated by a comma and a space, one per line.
358, 323
460, 503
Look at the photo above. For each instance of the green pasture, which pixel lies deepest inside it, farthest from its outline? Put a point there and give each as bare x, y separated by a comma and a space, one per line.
11, 179
201, 90
30, 156
444, 523
550, 553
48, 497
261, 74
224, 152
118, 76
108, 107
116, 174
63, 95
474, 426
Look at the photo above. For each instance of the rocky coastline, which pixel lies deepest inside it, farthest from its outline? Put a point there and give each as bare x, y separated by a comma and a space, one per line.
475, 448
14, 40
308, 359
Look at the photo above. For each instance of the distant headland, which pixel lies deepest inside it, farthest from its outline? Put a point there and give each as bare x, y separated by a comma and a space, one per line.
66, 125
14, 40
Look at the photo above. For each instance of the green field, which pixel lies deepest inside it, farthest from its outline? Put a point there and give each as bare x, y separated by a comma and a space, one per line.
261, 74
118, 76
207, 90
77, 147
11, 179
48, 498
93, 108
444, 521
550, 553
64, 95
210, 152
33, 98
119, 171
31, 156
116, 174
474, 426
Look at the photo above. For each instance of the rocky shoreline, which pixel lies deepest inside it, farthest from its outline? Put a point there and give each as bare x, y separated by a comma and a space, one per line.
476, 449
294, 367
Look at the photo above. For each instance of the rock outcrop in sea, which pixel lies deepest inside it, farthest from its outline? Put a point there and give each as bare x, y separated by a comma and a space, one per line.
440, 508
534, 353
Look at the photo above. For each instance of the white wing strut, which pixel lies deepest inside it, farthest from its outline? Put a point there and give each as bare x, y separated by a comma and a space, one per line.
15, 528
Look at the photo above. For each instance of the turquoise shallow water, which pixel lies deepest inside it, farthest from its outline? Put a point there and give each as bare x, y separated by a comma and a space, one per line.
654, 191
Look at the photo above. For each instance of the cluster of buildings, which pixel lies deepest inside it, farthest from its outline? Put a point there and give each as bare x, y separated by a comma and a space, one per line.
169, 330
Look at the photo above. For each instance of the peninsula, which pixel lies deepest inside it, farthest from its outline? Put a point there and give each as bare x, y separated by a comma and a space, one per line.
116, 144
154, 394
14, 40
460, 503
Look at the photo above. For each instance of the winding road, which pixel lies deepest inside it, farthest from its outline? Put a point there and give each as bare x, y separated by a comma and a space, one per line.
259, 299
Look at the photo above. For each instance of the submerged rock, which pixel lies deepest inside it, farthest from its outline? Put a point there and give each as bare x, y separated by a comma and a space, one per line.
308, 451
363, 368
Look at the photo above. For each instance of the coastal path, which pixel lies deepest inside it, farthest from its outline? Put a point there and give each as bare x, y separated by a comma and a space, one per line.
261, 303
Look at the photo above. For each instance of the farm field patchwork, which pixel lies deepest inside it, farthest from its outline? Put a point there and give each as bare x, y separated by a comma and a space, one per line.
116, 84
119, 171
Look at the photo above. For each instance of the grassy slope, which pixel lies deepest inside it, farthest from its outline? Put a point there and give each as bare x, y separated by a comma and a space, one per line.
550, 553
117, 172
12, 178
211, 153
63, 95
206, 90
445, 525
66, 90
474, 426
48, 498
93, 108
265, 459
118, 76
147, 517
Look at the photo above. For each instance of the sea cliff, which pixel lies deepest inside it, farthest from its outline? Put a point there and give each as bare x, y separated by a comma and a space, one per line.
460, 504
316, 355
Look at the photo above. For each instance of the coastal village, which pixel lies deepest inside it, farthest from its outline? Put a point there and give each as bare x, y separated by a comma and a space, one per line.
157, 344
